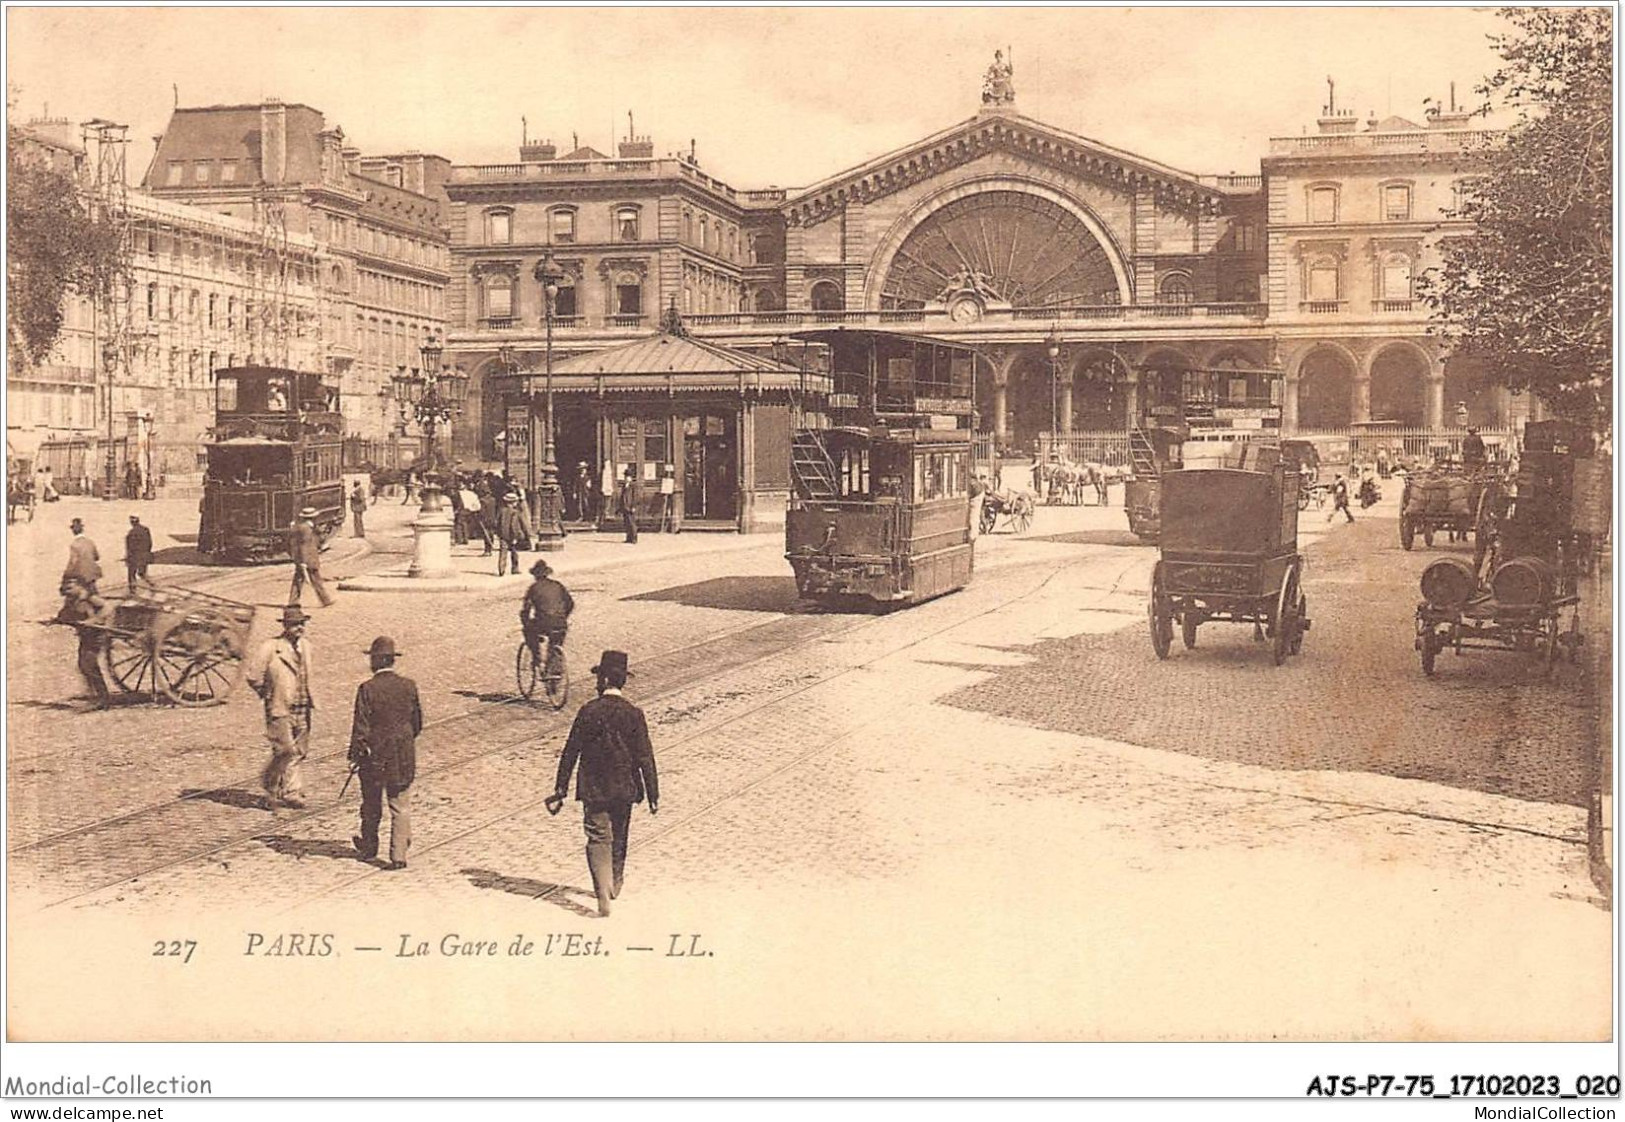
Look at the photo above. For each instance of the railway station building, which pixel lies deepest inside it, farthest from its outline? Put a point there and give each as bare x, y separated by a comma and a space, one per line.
1017, 238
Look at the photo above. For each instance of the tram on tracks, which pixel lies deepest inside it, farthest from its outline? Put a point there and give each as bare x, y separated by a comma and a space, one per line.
276, 447
880, 512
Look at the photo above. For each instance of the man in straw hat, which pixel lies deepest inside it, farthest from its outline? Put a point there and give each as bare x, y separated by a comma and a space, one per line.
610, 738
305, 547
279, 672
383, 749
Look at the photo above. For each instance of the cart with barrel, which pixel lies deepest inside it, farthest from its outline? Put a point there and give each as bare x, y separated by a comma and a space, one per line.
173, 642
1527, 605
1522, 595
1229, 554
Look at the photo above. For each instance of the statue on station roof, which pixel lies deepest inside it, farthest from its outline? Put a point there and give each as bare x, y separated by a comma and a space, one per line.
998, 87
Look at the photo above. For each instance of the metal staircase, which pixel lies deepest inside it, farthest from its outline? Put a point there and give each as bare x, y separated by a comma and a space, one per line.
812, 466
1142, 453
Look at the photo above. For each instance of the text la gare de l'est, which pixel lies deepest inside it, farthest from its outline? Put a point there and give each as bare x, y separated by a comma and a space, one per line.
453, 945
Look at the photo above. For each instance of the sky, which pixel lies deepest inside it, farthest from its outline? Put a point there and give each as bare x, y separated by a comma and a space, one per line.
770, 96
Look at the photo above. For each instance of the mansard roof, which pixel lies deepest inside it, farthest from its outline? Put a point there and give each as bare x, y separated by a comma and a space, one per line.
232, 132
989, 132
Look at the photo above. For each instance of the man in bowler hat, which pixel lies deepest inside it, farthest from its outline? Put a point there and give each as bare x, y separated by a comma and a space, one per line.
610, 739
383, 749
627, 503
137, 553
279, 672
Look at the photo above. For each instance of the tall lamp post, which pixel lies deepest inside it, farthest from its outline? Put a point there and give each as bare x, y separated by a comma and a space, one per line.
1052, 345
549, 501
432, 397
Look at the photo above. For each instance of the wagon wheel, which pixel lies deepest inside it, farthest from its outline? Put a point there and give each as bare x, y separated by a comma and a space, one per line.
1022, 518
1407, 531
197, 667
130, 664
1430, 651
1161, 615
1427, 534
1300, 625
1284, 622
988, 518
1187, 629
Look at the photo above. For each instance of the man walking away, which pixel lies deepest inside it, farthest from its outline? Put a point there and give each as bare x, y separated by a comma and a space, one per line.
610, 739
1340, 499
513, 527
137, 553
305, 547
358, 508
279, 672
546, 611
627, 504
383, 749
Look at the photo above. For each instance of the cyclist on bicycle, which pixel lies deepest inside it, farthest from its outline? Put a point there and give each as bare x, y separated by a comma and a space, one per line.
545, 611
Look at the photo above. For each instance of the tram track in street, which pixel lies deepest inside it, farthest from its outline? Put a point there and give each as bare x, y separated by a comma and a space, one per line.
670, 750
148, 818
514, 706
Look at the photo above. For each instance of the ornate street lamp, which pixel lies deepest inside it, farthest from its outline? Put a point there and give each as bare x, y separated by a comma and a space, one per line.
549, 502
1052, 345
431, 396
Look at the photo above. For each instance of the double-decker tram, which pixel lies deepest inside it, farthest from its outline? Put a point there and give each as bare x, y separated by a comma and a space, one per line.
276, 447
881, 507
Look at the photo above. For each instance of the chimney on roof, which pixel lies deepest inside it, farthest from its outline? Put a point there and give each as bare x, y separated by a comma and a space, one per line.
1456, 117
537, 151
352, 160
332, 141
638, 148
273, 141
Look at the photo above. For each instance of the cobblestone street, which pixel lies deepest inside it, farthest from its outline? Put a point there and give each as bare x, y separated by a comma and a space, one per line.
996, 810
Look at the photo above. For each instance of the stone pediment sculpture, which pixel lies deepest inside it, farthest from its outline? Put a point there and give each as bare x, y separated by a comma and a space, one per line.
998, 87
968, 296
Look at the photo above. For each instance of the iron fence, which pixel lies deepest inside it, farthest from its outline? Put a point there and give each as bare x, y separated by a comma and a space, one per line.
1110, 447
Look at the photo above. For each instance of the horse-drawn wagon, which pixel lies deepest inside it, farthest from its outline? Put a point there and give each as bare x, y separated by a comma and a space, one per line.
1229, 554
1454, 502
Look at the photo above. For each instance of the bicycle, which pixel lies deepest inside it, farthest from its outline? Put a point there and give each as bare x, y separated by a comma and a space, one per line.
551, 674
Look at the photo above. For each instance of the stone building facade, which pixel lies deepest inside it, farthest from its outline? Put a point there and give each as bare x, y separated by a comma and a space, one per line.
1006, 233
377, 221
206, 290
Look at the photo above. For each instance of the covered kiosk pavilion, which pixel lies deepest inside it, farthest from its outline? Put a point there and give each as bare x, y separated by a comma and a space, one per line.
717, 420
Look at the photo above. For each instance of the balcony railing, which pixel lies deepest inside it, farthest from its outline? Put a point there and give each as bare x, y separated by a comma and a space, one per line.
1421, 140
1321, 307
1392, 305
1061, 315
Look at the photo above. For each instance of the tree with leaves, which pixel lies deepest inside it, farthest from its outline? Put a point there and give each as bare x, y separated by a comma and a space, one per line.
54, 247
1528, 298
